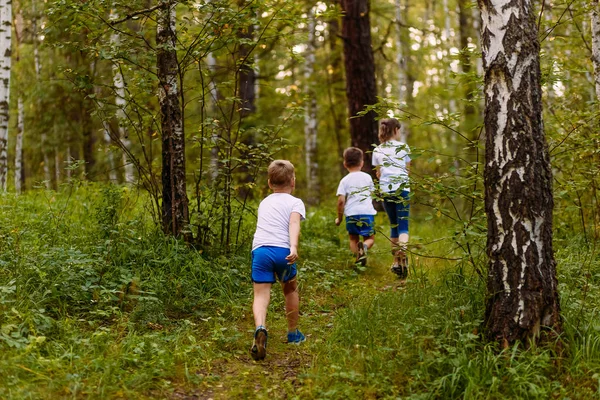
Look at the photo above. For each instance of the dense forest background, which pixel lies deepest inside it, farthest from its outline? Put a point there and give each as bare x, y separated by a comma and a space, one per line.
114, 104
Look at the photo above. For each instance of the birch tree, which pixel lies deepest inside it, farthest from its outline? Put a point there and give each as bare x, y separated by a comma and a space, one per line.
361, 89
522, 286
5, 66
38, 71
20, 107
596, 45
310, 114
121, 103
175, 210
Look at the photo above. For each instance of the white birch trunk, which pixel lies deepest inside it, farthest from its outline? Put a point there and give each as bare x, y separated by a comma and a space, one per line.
19, 147
446, 40
310, 115
5, 66
403, 92
522, 286
43, 136
121, 103
596, 45
214, 101
112, 173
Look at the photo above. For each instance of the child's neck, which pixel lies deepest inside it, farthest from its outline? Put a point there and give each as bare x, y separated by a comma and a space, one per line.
287, 190
354, 169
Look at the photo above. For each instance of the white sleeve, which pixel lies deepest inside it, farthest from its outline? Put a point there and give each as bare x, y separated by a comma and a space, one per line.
376, 157
341, 190
299, 208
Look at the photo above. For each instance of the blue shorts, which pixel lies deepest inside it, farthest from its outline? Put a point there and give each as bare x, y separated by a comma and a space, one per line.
361, 225
269, 265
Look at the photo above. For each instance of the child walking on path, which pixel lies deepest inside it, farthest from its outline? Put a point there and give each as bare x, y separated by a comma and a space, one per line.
355, 202
275, 252
392, 160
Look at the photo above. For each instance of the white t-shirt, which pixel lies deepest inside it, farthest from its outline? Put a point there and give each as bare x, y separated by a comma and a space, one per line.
273, 226
357, 187
392, 157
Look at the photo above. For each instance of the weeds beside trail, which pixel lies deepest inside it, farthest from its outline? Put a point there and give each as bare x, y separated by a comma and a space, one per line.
95, 304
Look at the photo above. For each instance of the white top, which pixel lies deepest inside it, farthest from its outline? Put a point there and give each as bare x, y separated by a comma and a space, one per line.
392, 157
357, 187
273, 226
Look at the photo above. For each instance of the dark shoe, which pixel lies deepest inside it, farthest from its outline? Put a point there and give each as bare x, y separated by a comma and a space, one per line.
258, 351
401, 263
296, 337
361, 258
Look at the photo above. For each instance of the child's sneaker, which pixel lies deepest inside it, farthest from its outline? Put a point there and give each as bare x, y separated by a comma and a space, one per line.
296, 337
258, 351
362, 254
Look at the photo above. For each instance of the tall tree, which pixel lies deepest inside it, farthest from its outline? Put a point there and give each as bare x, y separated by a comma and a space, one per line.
20, 107
310, 114
522, 286
121, 103
361, 89
5, 66
175, 211
596, 45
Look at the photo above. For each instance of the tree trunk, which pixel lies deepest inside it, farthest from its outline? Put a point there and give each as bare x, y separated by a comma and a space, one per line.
121, 103
464, 24
596, 46
5, 66
214, 108
402, 55
38, 70
310, 115
522, 286
19, 147
336, 87
361, 89
175, 214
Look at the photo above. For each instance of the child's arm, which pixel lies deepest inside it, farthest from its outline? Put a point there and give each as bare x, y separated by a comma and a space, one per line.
294, 231
340, 209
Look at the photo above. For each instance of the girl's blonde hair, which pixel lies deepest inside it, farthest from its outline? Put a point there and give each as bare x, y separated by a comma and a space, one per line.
387, 128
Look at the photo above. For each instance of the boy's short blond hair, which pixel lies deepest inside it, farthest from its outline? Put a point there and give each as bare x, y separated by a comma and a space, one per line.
281, 173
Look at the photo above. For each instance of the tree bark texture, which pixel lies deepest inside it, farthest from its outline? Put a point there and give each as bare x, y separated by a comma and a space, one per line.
522, 286
5, 66
246, 74
38, 71
310, 115
361, 89
121, 103
596, 46
19, 146
175, 214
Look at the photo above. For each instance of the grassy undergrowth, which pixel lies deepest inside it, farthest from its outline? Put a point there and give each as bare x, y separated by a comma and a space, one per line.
94, 303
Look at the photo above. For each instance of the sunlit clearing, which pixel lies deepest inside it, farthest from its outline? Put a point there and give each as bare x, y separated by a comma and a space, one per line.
415, 46
299, 48
390, 114
321, 7
388, 88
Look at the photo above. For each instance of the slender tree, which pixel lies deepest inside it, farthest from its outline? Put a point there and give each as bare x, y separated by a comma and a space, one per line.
522, 286
175, 211
596, 45
361, 89
5, 67
20, 107
121, 103
310, 114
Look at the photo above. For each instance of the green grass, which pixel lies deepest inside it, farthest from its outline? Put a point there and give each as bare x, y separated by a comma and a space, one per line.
95, 303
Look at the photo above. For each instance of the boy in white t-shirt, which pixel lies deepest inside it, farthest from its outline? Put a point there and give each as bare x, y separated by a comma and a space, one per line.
355, 202
275, 252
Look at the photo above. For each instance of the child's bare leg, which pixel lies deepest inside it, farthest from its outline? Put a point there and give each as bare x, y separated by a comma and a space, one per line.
292, 303
354, 240
262, 296
369, 241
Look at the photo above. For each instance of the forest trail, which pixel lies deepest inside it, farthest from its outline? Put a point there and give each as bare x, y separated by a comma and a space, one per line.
280, 373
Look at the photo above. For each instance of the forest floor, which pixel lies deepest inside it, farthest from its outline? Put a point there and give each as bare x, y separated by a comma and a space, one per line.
286, 365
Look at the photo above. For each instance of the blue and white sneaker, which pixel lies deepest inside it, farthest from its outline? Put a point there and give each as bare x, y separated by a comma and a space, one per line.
296, 337
258, 351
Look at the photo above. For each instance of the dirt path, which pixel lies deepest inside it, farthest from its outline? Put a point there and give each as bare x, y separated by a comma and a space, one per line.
284, 371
